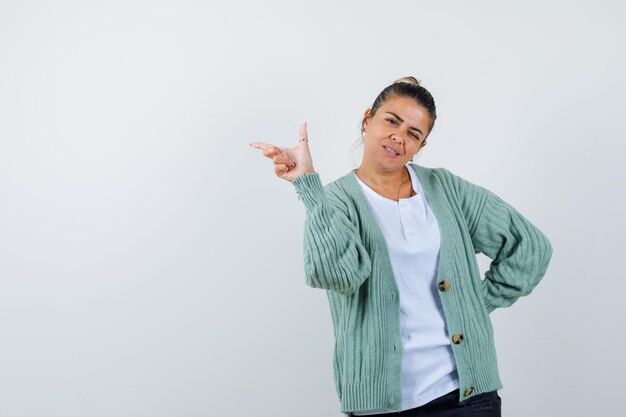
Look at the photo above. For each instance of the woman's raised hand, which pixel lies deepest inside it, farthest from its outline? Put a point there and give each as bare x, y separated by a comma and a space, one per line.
289, 163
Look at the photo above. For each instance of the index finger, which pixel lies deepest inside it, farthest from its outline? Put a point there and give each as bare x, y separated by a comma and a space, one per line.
260, 145
268, 150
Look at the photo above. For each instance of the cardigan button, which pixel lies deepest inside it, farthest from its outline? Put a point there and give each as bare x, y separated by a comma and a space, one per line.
468, 391
444, 285
457, 338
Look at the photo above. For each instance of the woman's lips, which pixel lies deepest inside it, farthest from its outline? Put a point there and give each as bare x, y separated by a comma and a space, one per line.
390, 152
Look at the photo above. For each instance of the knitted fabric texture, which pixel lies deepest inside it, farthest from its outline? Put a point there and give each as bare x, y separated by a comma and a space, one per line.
345, 253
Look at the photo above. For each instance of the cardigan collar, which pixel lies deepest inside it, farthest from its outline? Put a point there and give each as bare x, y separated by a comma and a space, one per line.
423, 173
433, 193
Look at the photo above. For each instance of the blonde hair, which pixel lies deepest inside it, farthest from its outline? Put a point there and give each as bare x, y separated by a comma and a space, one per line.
410, 80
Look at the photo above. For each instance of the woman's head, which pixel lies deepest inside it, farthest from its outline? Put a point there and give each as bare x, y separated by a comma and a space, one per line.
408, 87
396, 126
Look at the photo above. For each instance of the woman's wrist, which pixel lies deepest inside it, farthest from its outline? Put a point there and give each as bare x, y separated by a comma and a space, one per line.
308, 185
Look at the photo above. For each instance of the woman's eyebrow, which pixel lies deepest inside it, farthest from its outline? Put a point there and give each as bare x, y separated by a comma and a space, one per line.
402, 121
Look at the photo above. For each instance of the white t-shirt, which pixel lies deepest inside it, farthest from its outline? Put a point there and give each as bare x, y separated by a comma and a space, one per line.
412, 235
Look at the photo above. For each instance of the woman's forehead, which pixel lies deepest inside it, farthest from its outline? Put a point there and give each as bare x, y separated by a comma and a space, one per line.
401, 102
405, 107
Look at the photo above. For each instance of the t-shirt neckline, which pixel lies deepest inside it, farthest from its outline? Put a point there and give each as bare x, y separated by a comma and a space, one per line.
373, 193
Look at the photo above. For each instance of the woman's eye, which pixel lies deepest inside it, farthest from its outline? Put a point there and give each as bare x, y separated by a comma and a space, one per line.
395, 122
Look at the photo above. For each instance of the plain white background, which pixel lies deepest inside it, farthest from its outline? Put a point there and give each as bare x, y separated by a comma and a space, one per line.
151, 262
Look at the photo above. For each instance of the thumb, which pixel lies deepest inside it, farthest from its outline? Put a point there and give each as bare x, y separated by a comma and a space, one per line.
304, 135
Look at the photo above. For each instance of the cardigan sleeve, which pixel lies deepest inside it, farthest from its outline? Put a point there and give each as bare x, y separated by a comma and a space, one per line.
334, 256
519, 251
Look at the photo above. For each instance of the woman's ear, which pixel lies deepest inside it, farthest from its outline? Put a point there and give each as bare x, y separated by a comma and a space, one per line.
366, 117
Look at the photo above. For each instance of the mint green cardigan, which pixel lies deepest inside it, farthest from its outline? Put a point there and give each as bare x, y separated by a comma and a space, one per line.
345, 253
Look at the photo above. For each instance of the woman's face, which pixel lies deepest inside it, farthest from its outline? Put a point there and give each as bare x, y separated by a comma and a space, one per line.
395, 133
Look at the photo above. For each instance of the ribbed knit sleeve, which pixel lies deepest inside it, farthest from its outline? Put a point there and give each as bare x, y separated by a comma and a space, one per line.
334, 257
519, 251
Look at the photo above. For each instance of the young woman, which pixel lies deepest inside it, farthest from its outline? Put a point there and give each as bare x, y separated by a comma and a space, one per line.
395, 244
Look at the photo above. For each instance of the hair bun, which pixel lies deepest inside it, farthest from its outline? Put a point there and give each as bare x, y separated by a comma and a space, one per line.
409, 80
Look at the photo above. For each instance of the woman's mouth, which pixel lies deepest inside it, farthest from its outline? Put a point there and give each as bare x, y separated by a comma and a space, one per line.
390, 151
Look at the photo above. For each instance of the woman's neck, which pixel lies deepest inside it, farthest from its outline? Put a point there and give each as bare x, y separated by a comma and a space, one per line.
384, 179
383, 182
